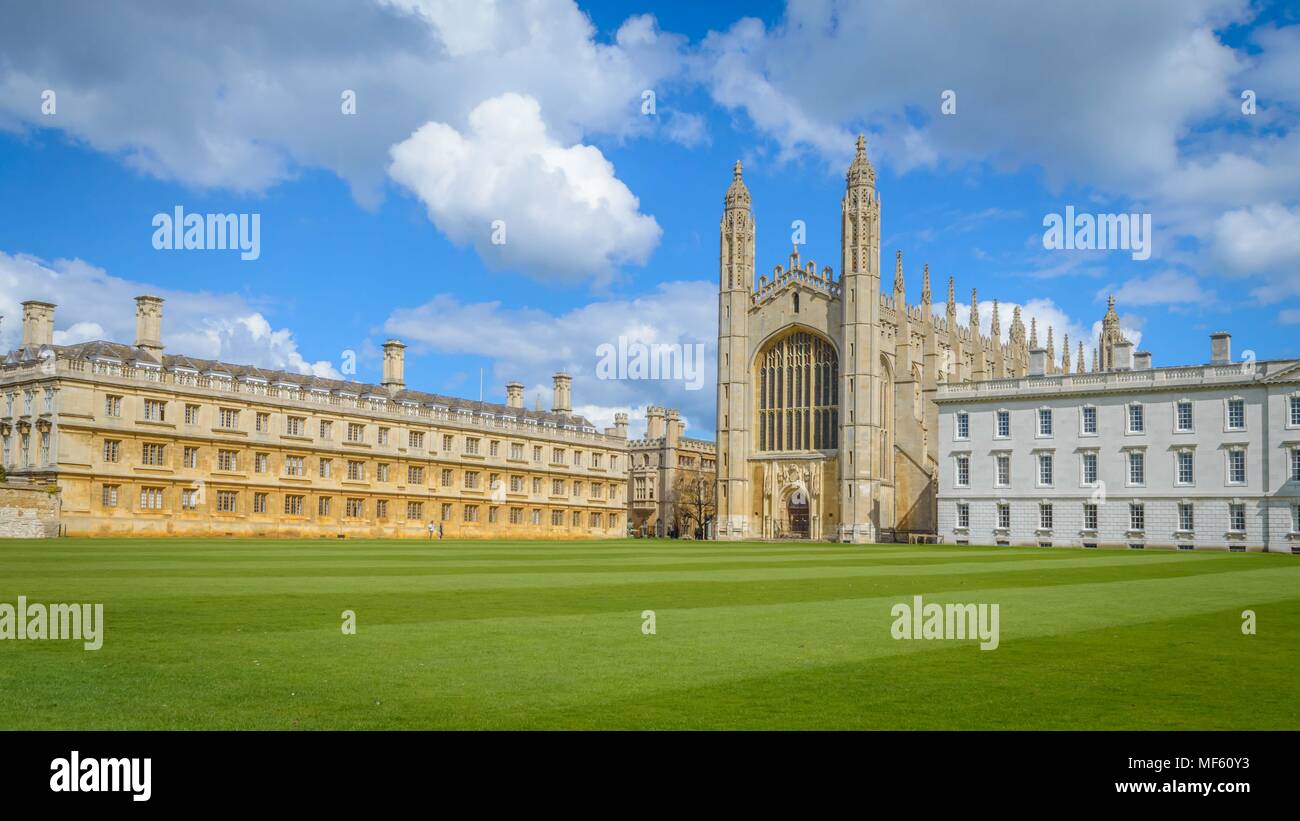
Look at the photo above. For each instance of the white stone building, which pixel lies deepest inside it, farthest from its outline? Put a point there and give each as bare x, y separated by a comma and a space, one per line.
1197, 457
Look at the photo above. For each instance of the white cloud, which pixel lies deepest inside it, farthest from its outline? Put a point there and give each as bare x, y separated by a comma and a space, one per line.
1164, 288
1261, 239
563, 212
94, 305
245, 98
530, 344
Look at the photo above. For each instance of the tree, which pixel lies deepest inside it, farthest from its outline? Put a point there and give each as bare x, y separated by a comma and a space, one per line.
694, 498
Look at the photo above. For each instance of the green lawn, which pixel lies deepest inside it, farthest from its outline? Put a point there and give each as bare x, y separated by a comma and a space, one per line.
246, 634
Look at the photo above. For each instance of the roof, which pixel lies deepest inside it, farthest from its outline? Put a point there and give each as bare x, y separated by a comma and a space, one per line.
128, 354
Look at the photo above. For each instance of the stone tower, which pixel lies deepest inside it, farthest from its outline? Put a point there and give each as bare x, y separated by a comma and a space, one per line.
735, 294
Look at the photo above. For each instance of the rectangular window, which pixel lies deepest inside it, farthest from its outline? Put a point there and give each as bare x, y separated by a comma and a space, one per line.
189, 499
262, 423
1295, 464
415, 510
1186, 468
1089, 468
1089, 516
492, 515
293, 505
1137, 467
557, 487
471, 479
516, 515
381, 472
536, 516
1237, 517
963, 515
1186, 517
1090, 420
494, 448
537, 454
190, 457
414, 475
261, 462
1136, 419
1137, 516
963, 425
326, 430
155, 410
152, 454
447, 441
1045, 517
108, 496
151, 498
228, 419
1004, 424
963, 471
1295, 518
1044, 421
295, 425
1237, 467
1045, 469
383, 436
447, 477
1184, 424
537, 485
294, 466
446, 512
356, 470
1004, 516
557, 518
323, 506
516, 450
577, 489
355, 508
1295, 411
1236, 414
326, 468
260, 502
227, 460
112, 405
226, 501
191, 414
112, 450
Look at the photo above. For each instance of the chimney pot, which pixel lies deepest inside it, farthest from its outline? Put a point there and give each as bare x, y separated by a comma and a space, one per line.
514, 394
1123, 356
1142, 361
148, 325
562, 401
1038, 362
394, 366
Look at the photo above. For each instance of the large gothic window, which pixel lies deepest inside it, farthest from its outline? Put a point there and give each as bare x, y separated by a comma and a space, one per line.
798, 395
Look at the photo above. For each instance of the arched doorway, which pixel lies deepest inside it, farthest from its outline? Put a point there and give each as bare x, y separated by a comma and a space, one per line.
797, 514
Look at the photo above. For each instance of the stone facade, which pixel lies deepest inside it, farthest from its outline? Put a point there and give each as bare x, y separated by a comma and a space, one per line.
140, 442
1197, 457
826, 386
28, 511
656, 461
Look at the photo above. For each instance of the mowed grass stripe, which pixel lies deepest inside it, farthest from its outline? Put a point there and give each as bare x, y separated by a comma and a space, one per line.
193, 652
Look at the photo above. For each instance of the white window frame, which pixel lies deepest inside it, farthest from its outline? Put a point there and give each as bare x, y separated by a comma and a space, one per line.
1049, 458
998, 459
1128, 467
958, 418
997, 423
1227, 414
962, 516
1233, 507
1178, 467
1227, 466
1038, 424
1096, 421
958, 460
1178, 404
1189, 526
1129, 409
1084, 481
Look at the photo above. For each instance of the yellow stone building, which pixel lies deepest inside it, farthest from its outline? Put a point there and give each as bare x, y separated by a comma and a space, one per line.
656, 461
145, 443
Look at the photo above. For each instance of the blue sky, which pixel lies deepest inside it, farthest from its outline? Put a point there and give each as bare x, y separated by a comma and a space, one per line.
377, 224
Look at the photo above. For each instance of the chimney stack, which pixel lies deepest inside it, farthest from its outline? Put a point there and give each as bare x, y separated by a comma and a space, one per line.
1038, 362
1220, 348
563, 398
38, 323
654, 422
148, 325
1142, 361
515, 395
394, 366
620, 425
1123, 356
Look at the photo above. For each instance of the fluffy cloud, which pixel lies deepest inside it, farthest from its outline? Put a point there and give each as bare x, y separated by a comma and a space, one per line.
1261, 239
530, 344
95, 305
244, 96
1164, 288
522, 199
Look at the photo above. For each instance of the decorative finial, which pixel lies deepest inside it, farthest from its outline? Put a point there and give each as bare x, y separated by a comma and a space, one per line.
862, 144
735, 171
925, 284
899, 286
1078, 365
1033, 333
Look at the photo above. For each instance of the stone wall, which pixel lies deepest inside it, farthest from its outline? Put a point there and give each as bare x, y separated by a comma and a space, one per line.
28, 511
